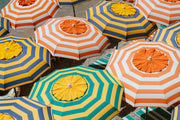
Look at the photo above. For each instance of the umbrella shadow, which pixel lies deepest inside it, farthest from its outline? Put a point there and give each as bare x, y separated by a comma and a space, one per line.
56, 63
114, 42
125, 109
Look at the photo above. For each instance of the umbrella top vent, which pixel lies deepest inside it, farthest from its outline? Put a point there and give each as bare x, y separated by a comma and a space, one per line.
70, 88
123, 9
150, 60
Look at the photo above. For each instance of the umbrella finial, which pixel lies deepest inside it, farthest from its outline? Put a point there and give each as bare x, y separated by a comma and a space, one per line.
73, 25
150, 58
123, 7
69, 85
6, 48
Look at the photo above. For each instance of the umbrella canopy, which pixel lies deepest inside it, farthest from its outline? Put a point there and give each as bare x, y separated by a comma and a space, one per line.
149, 72
23, 108
176, 113
29, 14
164, 12
4, 26
169, 35
80, 93
69, 2
120, 20
71, 37
21, 61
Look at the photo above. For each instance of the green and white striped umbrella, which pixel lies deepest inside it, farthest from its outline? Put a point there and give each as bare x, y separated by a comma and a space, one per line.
80, 93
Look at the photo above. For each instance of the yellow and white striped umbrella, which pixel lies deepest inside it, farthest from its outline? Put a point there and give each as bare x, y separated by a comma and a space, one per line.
71, 37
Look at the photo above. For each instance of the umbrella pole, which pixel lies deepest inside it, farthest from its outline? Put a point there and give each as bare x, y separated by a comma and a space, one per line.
15, 92
74, 11
117, 45
146, 113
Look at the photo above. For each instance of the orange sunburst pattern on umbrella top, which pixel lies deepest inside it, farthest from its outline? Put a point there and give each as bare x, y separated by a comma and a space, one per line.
73, 26
26, 2
150, 60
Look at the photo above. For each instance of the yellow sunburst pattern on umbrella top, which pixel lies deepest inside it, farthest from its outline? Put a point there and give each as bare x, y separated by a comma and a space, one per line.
70, 88
9, 50
4, 116
123, 9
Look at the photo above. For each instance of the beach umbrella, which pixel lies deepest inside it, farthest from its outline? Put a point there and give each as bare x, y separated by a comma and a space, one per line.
21, 61
71, 37
23, 108
80, 93
29, 13
69, 2
120, 20
169, 35
176, 113
149, 72
164, 12
4, 26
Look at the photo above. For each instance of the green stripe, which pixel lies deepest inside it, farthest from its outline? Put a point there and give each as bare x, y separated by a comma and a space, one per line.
109, 55
100, 63
128, 117
152, 113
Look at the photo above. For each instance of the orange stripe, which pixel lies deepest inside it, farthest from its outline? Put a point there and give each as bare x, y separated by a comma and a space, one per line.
24, 8
46, 45
173, 97
167, 3
142, 7
66, 53
160, 101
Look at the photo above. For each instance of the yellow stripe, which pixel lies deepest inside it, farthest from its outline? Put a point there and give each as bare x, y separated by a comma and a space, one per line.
5, 23
2, 31
175, 113
24, 57
44, 108
94, 94
15, 110
134, 38
104, 94
22, 76
103, 111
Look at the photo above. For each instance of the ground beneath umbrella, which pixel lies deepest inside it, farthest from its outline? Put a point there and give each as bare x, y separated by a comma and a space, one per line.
59, 63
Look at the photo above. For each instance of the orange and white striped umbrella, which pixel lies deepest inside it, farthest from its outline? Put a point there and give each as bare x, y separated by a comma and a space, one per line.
149, 72
71, 37
164, 12
29, 13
